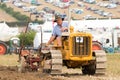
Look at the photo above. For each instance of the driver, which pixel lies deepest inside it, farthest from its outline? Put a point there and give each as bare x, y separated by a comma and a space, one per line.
57, 30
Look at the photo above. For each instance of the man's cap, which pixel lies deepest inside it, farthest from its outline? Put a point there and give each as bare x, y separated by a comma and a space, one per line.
58, 17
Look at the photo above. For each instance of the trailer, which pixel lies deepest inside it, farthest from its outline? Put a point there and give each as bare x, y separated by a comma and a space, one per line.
8, 38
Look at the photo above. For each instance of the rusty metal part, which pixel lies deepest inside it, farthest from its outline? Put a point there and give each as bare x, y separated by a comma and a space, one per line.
33, 62
29, 63
96, 45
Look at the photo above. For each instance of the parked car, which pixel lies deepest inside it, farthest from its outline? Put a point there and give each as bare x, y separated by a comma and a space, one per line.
99, 12
106, 14
111, 6
18, 4
26, 9
71, 2
34, 11
5, 1
80, 4
77, 11
88, 17
41, 13
48, 10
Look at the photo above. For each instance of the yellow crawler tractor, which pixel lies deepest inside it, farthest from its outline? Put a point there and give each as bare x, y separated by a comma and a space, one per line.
76, 52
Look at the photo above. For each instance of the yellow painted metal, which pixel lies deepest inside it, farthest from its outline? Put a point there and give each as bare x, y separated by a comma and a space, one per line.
71, 29
67, 46
67, 51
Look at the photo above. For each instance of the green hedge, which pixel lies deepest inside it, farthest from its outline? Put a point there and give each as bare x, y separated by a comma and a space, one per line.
22, 19
17, 15
18, 24
22, 23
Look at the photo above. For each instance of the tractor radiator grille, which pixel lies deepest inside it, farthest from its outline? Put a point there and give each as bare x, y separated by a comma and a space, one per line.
81, 46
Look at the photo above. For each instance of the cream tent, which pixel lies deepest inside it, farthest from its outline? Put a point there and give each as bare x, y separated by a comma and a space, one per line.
6, 32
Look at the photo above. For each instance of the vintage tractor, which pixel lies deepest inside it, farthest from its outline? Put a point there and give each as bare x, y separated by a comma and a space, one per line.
76, 52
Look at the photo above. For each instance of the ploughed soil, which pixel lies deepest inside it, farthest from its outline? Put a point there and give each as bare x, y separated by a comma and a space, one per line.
9, 71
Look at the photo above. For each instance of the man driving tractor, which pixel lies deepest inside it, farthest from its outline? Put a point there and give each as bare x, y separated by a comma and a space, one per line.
57, 30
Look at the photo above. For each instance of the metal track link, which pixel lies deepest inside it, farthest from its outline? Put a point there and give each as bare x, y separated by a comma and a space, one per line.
53, 62
56, 62
100, 61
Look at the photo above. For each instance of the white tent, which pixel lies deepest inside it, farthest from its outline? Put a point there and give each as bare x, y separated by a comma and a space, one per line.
100, 29
107, 23
46, 34
6, 32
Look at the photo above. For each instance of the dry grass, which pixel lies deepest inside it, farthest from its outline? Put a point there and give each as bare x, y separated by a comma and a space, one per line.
6, 17
113, 64
9, 60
